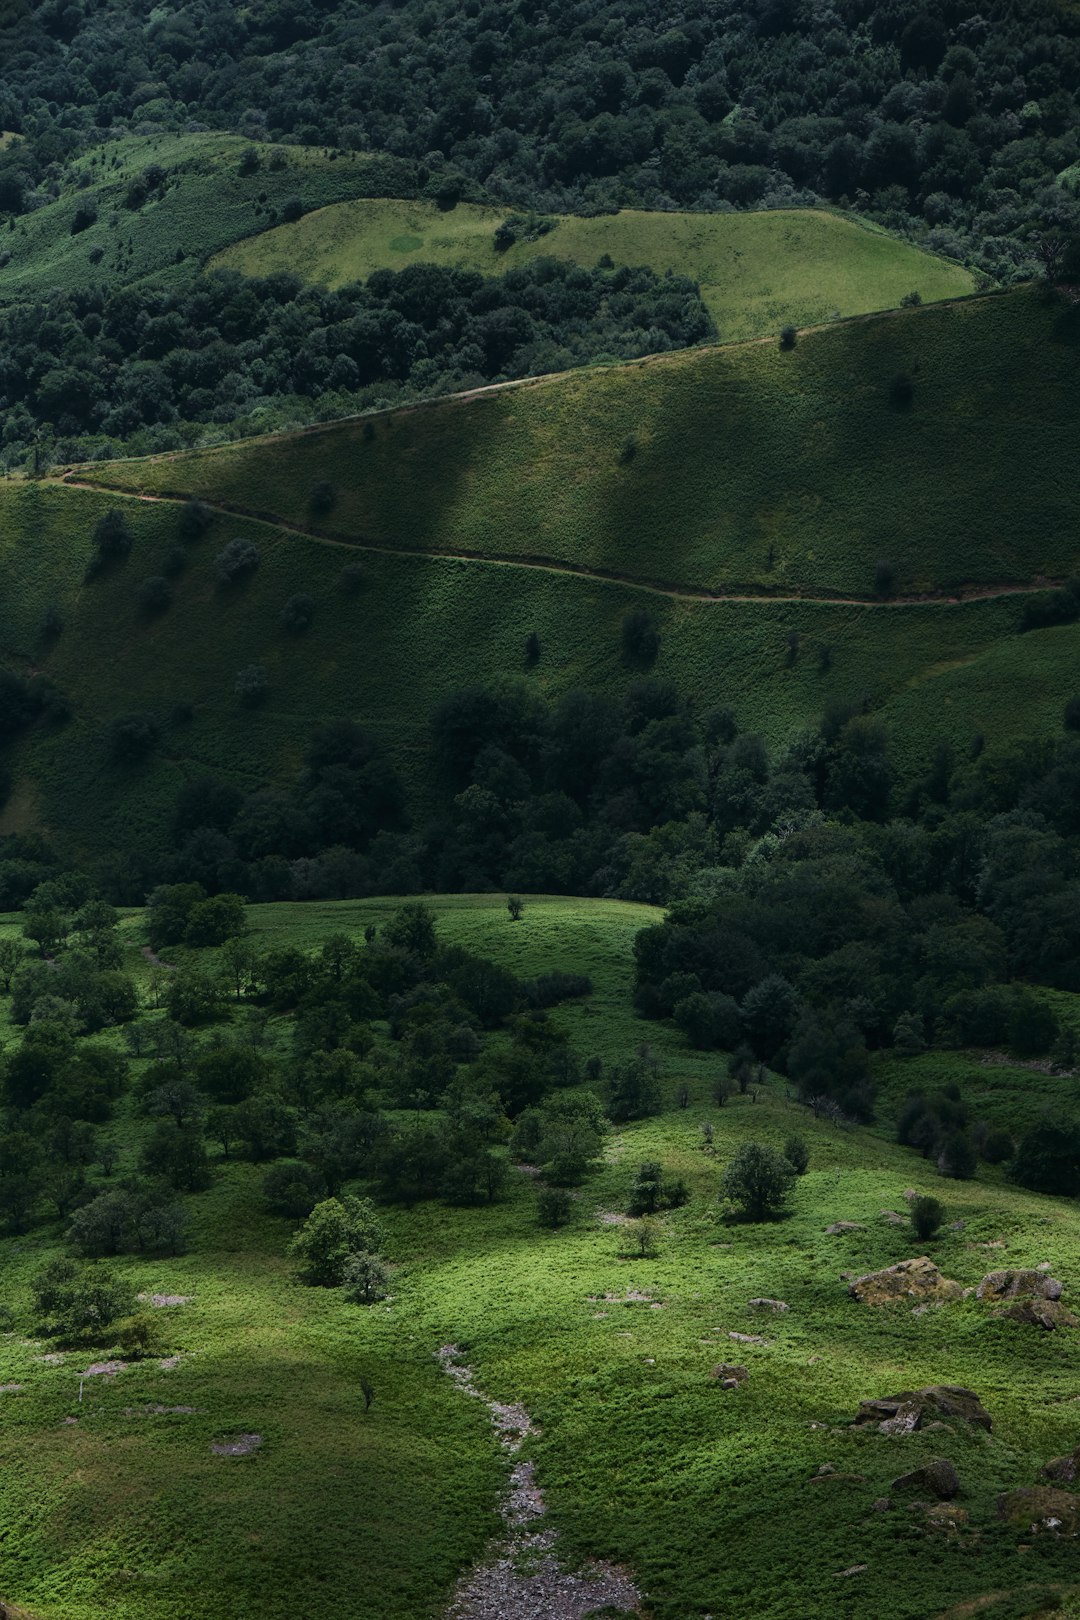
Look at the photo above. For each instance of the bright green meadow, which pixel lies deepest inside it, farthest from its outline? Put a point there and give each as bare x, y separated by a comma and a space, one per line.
126, 1514
757, 271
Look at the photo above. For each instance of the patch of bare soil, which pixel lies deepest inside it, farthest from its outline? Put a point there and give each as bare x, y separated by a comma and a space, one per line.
242, 1446
107, 1369
162, 1302
523, 1578
167, 1363
10, 1389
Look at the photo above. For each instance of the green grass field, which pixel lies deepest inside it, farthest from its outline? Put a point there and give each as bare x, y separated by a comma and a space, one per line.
422, 628
723, 469
206, 204
126, 1515
757, 272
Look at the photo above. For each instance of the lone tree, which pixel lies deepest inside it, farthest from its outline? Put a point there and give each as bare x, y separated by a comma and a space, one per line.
236, 559
788, 337
112, 537
927, 1215
757, 1181
515, 906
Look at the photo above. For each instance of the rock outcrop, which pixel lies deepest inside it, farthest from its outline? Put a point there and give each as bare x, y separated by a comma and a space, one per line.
1066, 1469
937, 1478
917, 1279
1041, 1508
1018, 1284
917, 1408
729, 1377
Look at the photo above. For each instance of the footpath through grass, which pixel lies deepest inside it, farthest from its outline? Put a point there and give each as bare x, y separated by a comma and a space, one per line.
937, 441
757, 271
127, 1514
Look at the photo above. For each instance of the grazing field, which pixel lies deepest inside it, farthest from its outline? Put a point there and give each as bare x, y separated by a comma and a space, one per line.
757, 271
743, 468
763, 1500
423, 627
205, 201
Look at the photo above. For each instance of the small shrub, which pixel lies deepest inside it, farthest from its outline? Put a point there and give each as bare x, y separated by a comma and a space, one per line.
131, 737
901, 392
82, 219
352, 579
251, 685
237, 559
957, 1158
911, 300
553, 1207
532, 654
927, 1217
195, 518
112, 537
292, 209
323, 497
365, 1278
249, 160
757, 1181
797, 1154
155, 594
139, 1337
884, 579
640, 638
789, 336
997, 1147
515, 906
297, 614
628, 449
643, 1240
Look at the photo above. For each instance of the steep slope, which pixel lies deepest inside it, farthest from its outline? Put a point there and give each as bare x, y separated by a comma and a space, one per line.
937, 440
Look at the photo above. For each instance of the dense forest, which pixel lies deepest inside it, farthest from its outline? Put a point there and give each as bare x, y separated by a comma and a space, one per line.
140, 364
953, 122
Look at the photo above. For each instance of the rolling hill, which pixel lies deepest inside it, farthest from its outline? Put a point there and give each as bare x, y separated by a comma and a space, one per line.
757, 271
480, 521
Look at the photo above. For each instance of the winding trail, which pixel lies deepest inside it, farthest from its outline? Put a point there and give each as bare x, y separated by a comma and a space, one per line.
521, 1578
552, 565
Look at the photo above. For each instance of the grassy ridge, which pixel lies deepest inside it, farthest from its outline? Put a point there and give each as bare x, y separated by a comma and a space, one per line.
719, 469
205, 204
706, 1496
421, 628
757, 271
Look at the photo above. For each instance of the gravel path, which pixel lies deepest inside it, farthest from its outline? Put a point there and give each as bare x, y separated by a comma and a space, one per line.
522, 1577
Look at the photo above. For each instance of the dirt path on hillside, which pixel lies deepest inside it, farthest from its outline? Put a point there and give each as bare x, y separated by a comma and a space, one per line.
552, 565
521, 1577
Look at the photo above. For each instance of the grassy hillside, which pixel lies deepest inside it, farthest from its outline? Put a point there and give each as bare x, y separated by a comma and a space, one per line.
421, 628
741, 467
757, 271
706, 1496
205, 202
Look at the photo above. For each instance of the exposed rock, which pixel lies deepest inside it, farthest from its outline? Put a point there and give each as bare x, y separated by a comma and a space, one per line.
916, 1408
1065, 1468
769, 1304
1018, 1284
748, 1338
833, 1478
882, 1504
1047, 1314
893, 1218
855, 1569
938, 1478
242, 1446
908, 1279
1041, 1507
844, 1226
729, 1377
946, 1516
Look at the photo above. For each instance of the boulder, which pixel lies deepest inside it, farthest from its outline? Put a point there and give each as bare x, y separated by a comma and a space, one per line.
1047, 1314
917, 1408
909, 1279
1041, 1507
729, 1377
1066, 1468
1018, 1284
768, 1304
844, 1226
937, 1478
